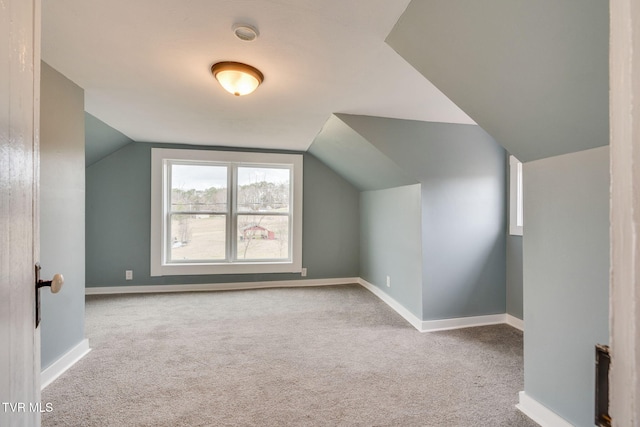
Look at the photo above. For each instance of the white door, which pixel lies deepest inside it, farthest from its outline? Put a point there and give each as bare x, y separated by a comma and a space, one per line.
624, 294
19, 164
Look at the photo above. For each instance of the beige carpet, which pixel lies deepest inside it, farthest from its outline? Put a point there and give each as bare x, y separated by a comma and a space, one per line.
326, 356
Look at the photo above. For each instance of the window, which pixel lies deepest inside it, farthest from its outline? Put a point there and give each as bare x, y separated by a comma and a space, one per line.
516, 215
224, 212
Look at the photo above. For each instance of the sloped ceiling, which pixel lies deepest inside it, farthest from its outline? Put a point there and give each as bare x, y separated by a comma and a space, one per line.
101, 139
374, 153
356, 159
533, 74
145, 67
426, 150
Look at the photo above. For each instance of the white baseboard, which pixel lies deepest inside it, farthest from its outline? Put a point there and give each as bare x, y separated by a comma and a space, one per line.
218, 286
540, 413
515, 322
462, 322
415, 321
433, 325
60, 366
395, 305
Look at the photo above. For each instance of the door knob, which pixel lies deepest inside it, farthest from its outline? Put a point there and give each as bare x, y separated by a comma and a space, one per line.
55, 284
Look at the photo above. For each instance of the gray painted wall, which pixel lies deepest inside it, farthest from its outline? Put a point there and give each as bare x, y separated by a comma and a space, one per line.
331, 214
515, 304
118, 223
566, 279
463, 176
101, 139
391, 243
533, 74
62, 198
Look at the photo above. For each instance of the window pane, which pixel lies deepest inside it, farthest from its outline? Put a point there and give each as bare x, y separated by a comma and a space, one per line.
515, 197
263, 237
198, 237
263, 189
519, 207
197, 188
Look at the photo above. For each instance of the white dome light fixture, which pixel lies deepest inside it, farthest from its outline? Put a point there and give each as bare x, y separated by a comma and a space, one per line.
237, 78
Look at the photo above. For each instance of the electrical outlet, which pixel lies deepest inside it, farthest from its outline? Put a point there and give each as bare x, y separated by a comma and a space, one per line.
303, 273
128, 275
388, 281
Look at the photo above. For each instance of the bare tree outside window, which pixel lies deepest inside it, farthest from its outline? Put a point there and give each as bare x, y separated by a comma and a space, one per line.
263, 206
198, 212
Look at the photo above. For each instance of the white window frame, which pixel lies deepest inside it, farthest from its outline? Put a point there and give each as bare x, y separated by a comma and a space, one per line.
160, 158
516, 207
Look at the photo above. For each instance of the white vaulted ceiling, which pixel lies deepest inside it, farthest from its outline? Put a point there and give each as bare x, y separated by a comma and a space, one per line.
145, 67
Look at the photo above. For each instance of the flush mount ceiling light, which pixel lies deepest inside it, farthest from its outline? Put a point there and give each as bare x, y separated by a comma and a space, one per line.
237, 78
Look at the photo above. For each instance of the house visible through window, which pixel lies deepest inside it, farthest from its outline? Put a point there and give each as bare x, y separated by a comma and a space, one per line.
516, 213
219, 212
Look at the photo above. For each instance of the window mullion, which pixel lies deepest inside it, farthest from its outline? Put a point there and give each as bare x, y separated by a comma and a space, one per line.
266, 213
167, 209
292, 184
233, 217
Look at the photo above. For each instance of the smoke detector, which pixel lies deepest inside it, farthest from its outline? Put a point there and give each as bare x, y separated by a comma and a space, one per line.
245, 32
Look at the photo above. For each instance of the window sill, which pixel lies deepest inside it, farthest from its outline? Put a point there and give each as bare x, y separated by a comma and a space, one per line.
515, 231
235, 268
